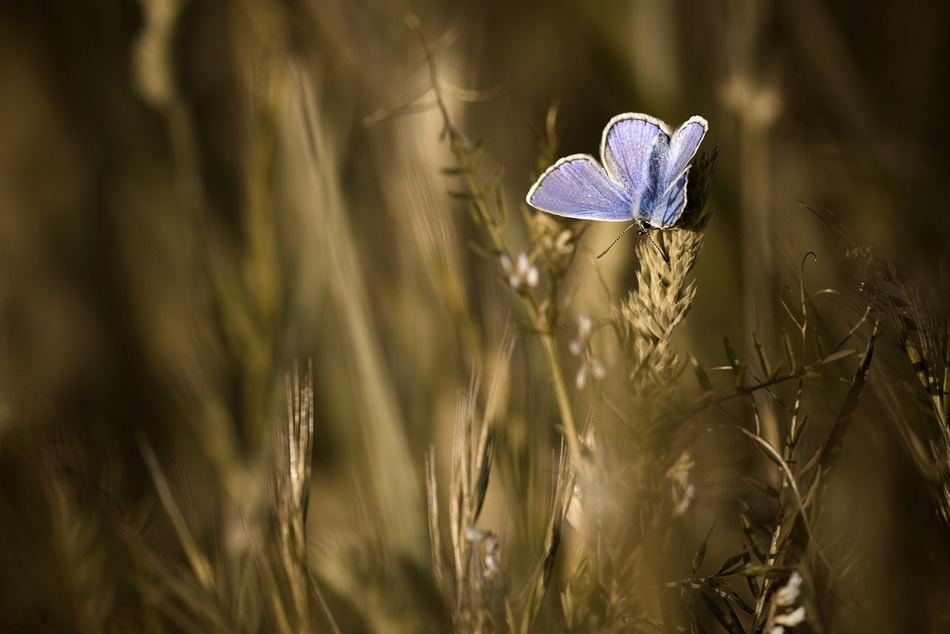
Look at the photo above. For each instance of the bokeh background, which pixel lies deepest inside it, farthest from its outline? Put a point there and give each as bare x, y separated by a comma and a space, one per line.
195, 194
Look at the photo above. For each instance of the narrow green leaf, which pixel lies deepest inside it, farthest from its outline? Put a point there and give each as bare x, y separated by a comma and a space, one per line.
837, 356
762, 356
748, 530
801, 428
701, 375
919, 363
734, 598
481, 485
789, 352
732, 613
731, 356
740, 378
733, 562
755, 570
701, 552
839, 431
725, 620
761, 487
770, 452
776, 371
751, 581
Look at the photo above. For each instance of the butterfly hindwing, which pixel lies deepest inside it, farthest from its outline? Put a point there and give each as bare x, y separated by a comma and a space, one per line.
665, 205
683, 145
671, 205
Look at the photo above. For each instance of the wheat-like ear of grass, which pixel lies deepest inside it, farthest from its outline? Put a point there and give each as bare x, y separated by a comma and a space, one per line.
475, 582
291, 495
663, 296
618, 574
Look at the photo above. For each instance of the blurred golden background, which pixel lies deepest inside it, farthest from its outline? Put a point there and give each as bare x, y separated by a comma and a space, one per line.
196, 195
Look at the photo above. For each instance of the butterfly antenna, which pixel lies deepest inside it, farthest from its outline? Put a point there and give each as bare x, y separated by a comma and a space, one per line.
663, 254
610, 246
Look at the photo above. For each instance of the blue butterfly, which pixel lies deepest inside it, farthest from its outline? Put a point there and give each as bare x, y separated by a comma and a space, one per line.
641, 177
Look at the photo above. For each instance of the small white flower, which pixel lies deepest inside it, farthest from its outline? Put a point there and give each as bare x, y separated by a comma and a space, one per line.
485, 552
793, 618
682, 499
597, 368
575, 510
581, 379
683, 491
580, 347
521, 274
473, 534
531, 274
584, 326
491, 555
781, 614
787, 595
591, 366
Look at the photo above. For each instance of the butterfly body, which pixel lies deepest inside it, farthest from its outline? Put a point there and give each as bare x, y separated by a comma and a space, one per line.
641, 177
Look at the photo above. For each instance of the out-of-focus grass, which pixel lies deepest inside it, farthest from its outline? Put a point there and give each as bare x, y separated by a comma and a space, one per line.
283, 349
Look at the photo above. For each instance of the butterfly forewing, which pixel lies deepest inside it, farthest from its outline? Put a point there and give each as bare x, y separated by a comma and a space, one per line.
577, 187
629, 142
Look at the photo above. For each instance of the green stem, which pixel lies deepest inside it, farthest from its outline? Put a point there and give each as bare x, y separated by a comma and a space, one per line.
542, 319
563, 401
